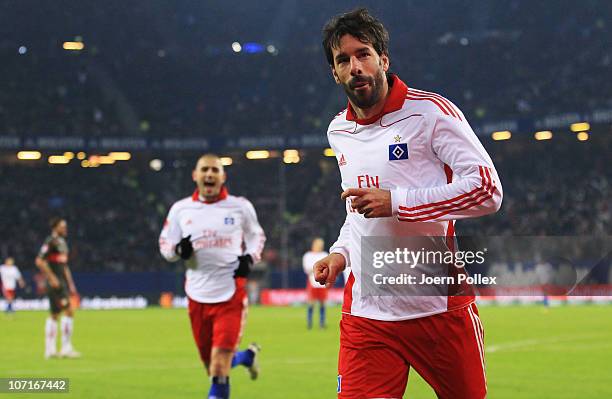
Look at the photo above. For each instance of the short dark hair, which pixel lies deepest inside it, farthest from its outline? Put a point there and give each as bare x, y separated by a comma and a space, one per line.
360, 24
54, 221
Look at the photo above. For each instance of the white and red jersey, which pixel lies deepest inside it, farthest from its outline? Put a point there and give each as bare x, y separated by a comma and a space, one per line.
423, 150
308, 261
10, 275
219, 231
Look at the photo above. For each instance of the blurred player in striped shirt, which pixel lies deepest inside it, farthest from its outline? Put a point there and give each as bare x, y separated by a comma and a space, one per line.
314, 290
10, 276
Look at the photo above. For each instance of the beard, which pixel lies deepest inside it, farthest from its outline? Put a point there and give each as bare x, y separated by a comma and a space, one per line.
365, 100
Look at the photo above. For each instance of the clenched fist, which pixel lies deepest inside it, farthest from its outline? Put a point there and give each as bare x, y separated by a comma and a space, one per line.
327, 269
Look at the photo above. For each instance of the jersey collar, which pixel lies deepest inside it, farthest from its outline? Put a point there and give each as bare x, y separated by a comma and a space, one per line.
393, 102
222, 195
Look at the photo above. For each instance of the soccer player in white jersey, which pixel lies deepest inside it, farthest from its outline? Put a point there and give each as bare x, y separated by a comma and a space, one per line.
209, 230
10, 276
316, 293
410, 166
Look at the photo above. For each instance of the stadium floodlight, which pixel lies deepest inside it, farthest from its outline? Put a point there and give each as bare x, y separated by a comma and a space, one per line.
29, 155
291, 156
156, 164
582, 136
106, 160
22, 50
543, 135
291, 159
237, 47
328, 152
120, 156
94, 160
81, 155
226, 161
73, 46
502, 135
580, 127
58, 160
69, 155
258, 154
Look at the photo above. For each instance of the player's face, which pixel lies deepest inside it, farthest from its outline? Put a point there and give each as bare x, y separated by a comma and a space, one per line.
62, 228
209, 176
360, 70
317, 245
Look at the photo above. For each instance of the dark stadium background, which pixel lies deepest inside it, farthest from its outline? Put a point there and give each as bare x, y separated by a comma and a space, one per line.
165, 81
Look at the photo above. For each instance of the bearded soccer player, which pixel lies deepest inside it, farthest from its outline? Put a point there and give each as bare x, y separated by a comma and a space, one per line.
410, 166
209, 230
52, 260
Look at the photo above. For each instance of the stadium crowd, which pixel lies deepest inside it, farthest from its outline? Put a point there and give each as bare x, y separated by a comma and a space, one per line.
558, 187
180, 76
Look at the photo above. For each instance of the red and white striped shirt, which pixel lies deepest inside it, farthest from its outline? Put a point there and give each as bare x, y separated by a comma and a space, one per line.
9, 275
423, 150
218, 231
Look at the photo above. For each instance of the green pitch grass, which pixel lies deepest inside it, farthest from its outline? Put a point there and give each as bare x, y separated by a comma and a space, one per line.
563, 352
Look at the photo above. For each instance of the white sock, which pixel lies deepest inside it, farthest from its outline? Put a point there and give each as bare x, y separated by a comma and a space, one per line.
50, 336
66, 325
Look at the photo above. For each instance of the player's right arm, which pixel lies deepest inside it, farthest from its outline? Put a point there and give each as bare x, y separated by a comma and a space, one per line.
327, 269
170, 236
43, 265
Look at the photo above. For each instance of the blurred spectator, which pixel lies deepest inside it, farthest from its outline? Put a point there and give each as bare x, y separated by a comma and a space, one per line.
169, 69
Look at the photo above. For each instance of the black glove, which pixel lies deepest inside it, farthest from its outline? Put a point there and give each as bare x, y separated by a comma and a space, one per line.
184, 248
244, 267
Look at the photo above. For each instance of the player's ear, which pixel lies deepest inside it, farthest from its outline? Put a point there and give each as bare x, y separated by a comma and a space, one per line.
193, 176
335, 75
385, 62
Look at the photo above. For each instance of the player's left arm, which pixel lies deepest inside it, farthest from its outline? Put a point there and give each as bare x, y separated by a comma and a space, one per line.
475, 189
20, 280
70, 280
254, 236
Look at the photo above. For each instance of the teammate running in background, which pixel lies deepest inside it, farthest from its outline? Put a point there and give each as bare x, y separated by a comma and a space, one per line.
410, 166
316, 293
10, 276
52, 260
209, 230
